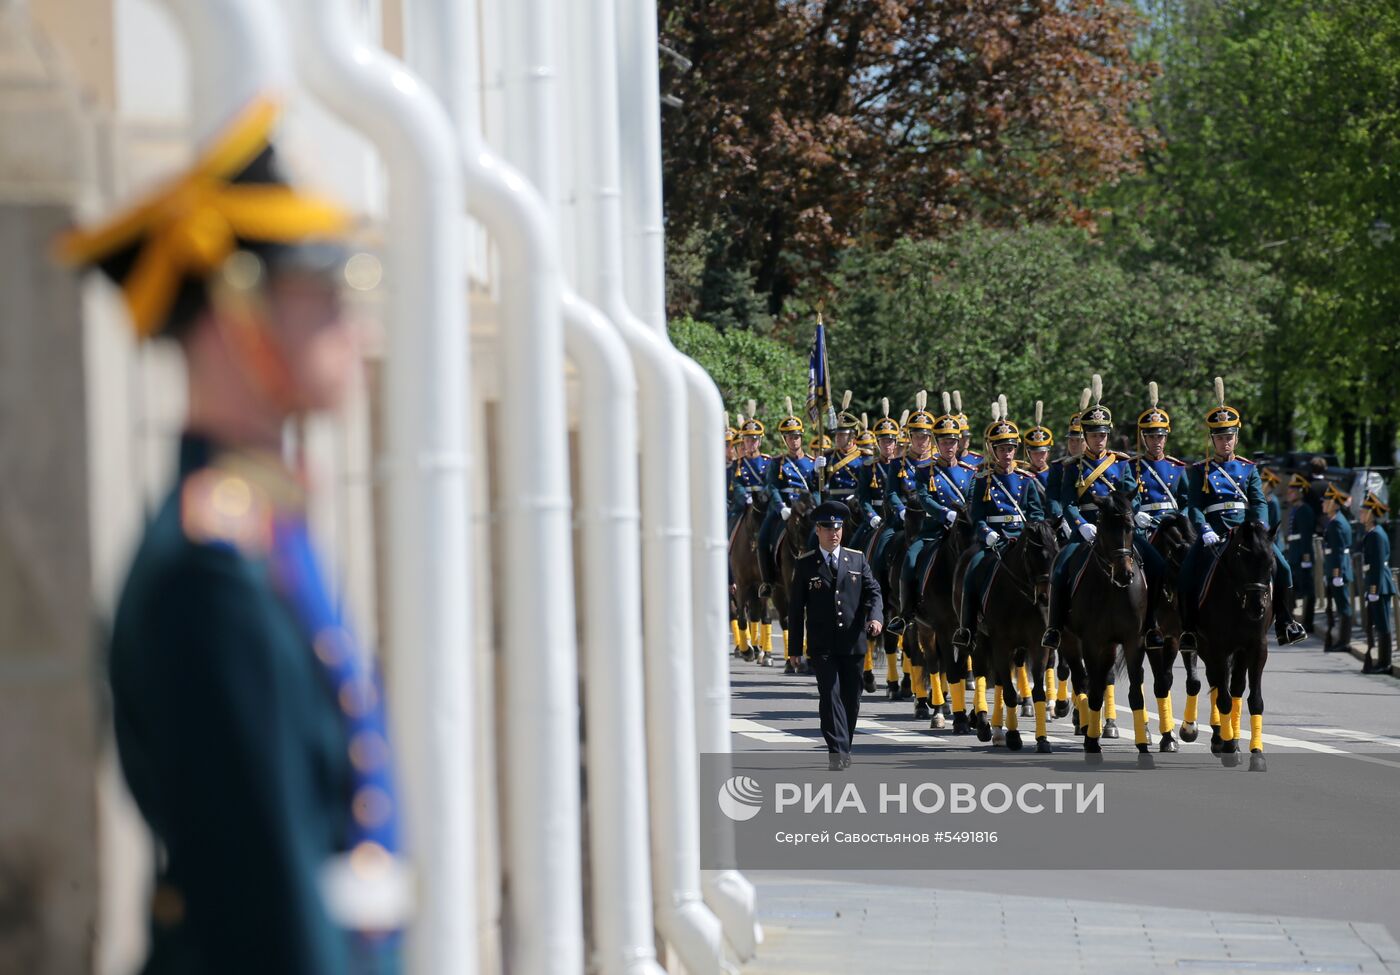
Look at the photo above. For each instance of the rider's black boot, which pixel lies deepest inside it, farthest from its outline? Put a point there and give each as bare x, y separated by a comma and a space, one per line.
1286, 628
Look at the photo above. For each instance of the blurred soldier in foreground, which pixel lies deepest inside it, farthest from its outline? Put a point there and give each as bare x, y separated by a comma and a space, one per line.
248, 719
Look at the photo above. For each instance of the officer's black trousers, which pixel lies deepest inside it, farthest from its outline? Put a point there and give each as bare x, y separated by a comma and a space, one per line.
839, 684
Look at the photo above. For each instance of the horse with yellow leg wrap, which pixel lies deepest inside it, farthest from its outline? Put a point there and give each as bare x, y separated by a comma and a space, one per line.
1232, 635
1106, 612
1172, 537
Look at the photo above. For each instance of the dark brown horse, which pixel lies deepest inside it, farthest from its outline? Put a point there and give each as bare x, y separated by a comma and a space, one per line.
1172, 538
889, 589
747, 606
1107, 609
793, 542
1233, 638
936, 617
1009, 633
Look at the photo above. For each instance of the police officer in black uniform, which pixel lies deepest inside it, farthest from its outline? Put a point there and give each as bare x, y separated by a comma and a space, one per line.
835, 601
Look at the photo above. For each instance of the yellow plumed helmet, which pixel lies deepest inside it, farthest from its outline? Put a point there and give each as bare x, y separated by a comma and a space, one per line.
165, 250
790, 423
1154, 417
1001, 430
921, 418
1222, 418
1039, 436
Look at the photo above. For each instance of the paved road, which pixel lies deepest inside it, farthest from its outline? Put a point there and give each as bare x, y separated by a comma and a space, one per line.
1161, 920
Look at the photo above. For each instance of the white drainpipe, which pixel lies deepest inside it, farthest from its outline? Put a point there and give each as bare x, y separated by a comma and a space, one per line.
684, 920
728, 892
542, 925
427, 391
237, 50
606, 508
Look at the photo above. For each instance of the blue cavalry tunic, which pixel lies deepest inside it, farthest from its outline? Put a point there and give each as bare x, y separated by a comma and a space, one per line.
788, 478
889, 505
940, 489
1224, 494
1001, 503
1161, 486
747, 476
843, 475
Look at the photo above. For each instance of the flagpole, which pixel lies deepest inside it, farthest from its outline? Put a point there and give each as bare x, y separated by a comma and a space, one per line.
821, 407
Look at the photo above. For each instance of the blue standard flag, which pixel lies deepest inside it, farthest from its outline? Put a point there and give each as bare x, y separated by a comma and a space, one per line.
818, 378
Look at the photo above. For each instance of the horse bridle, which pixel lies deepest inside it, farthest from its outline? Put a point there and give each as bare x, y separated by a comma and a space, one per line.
1026, 590
1264, 589
1105, 560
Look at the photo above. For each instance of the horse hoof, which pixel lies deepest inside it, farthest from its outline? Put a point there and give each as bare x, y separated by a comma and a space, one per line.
803, 667
1230, 746
1042, 745
789, 667
984, 727
960, 723
1145, 760
1256, 762
938, 722
892, 691
946, 709
767, 660
870, 682
1230, 759
1079, 730
1188, 732
1061, 708
748, 656
998, 737
1013, 740
906, 689
1168, 743
1027, 709
920, 711
1216, 742
1110, 728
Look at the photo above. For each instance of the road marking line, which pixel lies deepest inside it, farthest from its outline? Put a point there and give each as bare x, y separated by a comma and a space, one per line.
1360, 736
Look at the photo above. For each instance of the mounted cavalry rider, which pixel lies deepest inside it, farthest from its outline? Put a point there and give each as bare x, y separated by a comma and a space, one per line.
865, 443
881, 470
748, 475
1039, 440
1074, 449
1336, 566
942, 484
1224, 492
1084, 482
843, 463
1377, 582
789, 476
1004, 499
967, 455
1298, 544
1161, 478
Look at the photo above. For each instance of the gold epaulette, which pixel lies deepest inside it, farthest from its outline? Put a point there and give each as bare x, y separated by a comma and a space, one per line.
218, 505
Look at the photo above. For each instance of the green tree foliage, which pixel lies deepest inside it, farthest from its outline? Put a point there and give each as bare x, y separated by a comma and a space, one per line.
1032, 313
808, 126
1280, 141
744, 366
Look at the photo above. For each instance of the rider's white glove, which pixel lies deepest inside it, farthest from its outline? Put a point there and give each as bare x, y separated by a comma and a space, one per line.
785, 511
876, 521
1142, 519
820, 462
991, 539
1210, 537
950, 516
1088, 531
1373, 597
1338, 581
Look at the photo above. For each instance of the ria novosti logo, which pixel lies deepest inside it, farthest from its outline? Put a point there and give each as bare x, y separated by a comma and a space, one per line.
740, 798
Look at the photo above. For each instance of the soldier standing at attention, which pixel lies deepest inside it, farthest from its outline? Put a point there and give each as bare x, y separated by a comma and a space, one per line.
1379, 586
1336, 567
836, 602
1270, 482
1298, 545
249, 720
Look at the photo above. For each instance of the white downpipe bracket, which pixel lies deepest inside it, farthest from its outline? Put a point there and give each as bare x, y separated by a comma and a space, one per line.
542, 927
427, 386
607, 509
682, 917
728, 892
238, 50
